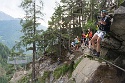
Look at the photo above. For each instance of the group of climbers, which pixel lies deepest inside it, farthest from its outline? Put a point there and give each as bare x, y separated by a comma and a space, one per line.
85, 38
88, 39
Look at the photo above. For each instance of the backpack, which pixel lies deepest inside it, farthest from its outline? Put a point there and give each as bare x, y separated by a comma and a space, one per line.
109, 23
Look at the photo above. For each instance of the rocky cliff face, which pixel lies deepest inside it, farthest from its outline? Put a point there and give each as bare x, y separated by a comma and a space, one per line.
94, 70
117, 34
90, 71
85, 70
113, 47
118, 27
115, 44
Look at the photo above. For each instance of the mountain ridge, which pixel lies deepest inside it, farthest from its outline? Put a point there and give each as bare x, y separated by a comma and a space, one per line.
10, 29
4, 16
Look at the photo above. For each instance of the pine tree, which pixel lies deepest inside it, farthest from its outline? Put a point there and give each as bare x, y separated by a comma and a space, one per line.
29, 23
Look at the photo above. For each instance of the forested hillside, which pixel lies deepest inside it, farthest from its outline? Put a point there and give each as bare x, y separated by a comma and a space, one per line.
4, 52
10, 30
4, 67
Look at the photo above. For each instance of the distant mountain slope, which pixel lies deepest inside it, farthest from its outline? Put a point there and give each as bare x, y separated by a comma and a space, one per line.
10, 30
4, 16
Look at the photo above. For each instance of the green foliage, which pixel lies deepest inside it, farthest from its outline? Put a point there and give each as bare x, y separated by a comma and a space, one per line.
9, 73
44, 77
25, 79
90, 24
29, 24
71, 68
29, 27
4, 67
61, 71
75, 65
77, 31
64, 69
121, 1
2, 71
3, 79
11, 70
4, 51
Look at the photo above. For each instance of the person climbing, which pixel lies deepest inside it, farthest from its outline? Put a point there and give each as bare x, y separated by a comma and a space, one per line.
76, 43
87, 39
72, 45
83, 38
104, 27
90, 34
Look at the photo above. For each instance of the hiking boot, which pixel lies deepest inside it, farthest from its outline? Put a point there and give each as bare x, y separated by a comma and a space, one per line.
94, 51
97, 54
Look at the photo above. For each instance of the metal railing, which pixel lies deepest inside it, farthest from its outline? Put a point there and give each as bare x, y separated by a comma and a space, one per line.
19, 60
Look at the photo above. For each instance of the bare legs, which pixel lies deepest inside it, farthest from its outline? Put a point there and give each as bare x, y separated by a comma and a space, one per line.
92, 41
98, 44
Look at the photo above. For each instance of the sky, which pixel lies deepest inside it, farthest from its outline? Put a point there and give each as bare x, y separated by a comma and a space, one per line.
11, 7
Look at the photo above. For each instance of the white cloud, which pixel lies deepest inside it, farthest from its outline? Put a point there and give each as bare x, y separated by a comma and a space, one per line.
11, 7
49, 6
